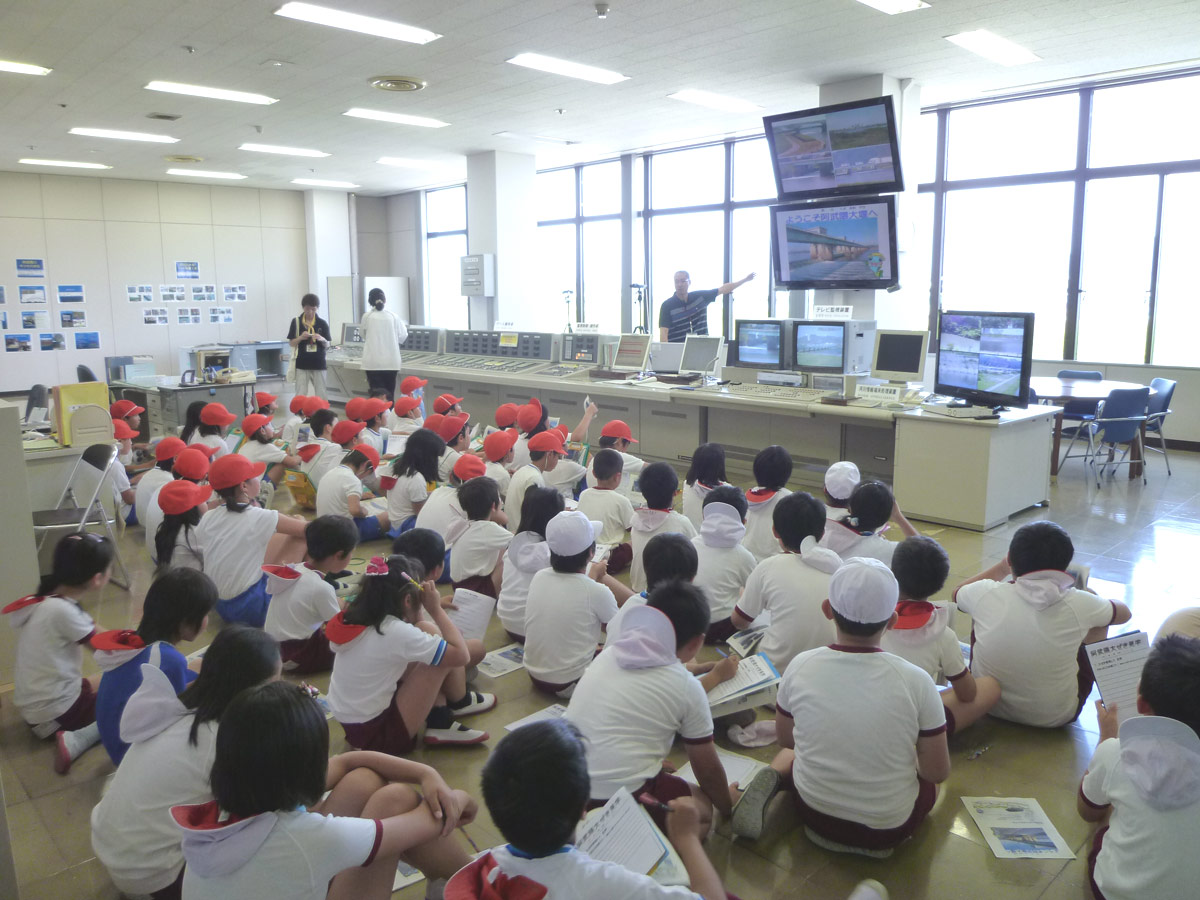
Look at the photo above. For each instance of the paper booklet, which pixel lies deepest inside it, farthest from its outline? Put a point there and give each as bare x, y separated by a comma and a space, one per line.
503, 661
473, 613
406, 875
375, 505
737, 768
754, 673
557, 711
1117, 664
1017, 828
745, 642
623, 832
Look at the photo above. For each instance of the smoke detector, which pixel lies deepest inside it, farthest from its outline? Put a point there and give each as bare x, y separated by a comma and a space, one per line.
184, 159
402, 84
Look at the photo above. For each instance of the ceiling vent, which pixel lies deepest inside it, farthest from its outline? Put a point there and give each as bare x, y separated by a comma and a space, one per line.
184, 159
402, 84
163, 117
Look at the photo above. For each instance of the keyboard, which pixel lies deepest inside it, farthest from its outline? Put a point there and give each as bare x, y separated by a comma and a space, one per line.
484, 363
778, 392
565, 370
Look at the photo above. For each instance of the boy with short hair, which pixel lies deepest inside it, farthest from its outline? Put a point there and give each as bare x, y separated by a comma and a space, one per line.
290, 432
772, 469
426, 546
447, 405
725, 565
923, 636
498, 450
442, 512
792, 585
864, 731
477, 562
1143, 780
340, 493
302, 600
260, 446
608, 506
545, 450
322, 454
452, 428
412, 386
618, 436
658, 483
403, 420
1029, 633
841, 479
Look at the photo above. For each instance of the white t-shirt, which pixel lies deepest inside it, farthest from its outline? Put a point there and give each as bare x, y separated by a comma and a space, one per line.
441, 511
858, 715
672, 523
49, 666
188, 552
328, 459
500, 475
564, 618
936, 652
407, 491
611, 509
235, 544
478, 550
1032, 652
631, 471
723, 573
446, 464
527, 555
629, 718
212, 440
760, 523
146, 488
367, 668
133, 833
154, 518
291, 431
522, 479
335, 490
520, 453
298, 609
119, 479
847, 543
564, 477
792, 591
377, 439
256, 451
693, 502
384, 335
296, 861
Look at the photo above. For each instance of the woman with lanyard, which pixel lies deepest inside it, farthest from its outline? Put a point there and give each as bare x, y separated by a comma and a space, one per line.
383, 335
309, 336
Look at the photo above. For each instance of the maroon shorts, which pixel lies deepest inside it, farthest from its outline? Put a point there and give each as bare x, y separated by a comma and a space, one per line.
662, 788
719, 631
1097, 843
620, 558
1085, 679
950, 723
173, 891
307, 655
385, 733
82, 712
480, 584
855, 834
518, 638
549, 687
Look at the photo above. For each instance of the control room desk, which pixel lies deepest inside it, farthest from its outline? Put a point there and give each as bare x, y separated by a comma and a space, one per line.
166, 405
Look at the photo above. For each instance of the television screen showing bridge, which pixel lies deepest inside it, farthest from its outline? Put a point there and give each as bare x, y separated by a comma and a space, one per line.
834, 250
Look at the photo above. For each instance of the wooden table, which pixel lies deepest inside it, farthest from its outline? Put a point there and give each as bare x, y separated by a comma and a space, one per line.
1059, 390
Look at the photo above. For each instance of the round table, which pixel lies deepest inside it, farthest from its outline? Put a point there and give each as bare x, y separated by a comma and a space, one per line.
1059, 390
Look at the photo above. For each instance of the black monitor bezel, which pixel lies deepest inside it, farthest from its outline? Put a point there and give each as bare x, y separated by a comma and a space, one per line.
988, 398
849, 284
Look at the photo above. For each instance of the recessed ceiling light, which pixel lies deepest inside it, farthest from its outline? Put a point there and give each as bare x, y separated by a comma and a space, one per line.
282, 151
125, 135
65, 163
891, 7
197, 90
201, 173
565, 67
23, 68
992, 46
321, 182
714, 101
396, 118
518, 136
336, 18
405, 162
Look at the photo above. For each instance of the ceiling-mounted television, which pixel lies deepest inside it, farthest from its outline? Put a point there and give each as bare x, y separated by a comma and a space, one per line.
832, 151
841, 244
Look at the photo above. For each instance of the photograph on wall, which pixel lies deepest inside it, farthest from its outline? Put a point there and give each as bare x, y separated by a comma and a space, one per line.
234, 293
204, 293
2, 299
139, 293
72, 318
172, 293
31, 268
220, 315
35, 319
155, 315
189, 270
52, 341
87, 340
70, 293
32, 294
18, 343
188, 315
4, 321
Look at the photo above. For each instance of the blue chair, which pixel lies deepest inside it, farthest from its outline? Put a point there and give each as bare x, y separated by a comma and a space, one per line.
1080, 410
1118, 420
1157, 412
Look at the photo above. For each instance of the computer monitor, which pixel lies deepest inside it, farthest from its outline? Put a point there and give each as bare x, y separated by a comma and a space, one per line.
352, 333
985, 357
665, 357
700, 353
832, 348
847, 244
632, 352
900, 355
760, 344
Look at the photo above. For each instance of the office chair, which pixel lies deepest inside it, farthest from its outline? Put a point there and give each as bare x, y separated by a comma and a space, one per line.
1080, 410
39, 398
1118, 420
83, 373
1157, 412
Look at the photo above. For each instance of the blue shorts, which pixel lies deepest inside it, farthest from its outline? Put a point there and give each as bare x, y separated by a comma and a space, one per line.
249, 607
131, 519
368, 527
445, 579
407, 525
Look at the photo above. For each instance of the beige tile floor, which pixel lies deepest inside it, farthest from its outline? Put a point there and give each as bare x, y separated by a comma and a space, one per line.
1137, 539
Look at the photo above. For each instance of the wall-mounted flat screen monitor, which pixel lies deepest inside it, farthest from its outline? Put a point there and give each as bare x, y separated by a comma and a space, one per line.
830, 151
900, 355
760, 344
632, 352
985, 357
835, 244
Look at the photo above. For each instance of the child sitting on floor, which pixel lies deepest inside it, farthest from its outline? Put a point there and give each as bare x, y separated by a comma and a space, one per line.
413, 477
706, 472
658, 485
725, 565
772, 469
527, 554
860, 532
840, 481
477, 561
606, 504
544, 451
341, 493
290, 432
498, 449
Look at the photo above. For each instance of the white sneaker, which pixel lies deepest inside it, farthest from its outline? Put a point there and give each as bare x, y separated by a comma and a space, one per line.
869, 890
480, 702
751, 810
458, 733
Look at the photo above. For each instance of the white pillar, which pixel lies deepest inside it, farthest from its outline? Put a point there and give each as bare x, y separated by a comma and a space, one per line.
327, 229
502, 220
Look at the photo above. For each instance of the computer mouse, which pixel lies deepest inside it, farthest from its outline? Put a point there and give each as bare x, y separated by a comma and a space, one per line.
894, 405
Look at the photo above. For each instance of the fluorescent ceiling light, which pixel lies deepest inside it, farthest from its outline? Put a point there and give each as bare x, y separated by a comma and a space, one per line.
396, 118
201, 173
518, 136
23, 68
891, 7
126, 135
565, 67
336, 18
992, 46
403, 162
282, 151
197, 90
321, 182
66, 164
714, 101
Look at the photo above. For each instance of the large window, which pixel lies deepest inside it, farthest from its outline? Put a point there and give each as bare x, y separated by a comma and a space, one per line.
445, 244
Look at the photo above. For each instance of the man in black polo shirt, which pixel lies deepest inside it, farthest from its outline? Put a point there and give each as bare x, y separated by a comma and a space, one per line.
686, 312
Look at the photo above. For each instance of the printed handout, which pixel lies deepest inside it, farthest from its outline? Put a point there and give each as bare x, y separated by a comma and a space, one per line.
1017, 828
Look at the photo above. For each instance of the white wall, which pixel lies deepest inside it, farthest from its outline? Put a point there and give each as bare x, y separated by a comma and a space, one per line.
327, 234
405, 248
106, 233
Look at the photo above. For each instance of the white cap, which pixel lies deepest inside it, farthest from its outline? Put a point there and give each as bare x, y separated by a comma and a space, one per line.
864, 591
841, 479
571, 532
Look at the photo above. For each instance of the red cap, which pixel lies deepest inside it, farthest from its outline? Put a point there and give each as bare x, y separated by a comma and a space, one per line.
506, 415
308, 452
469, 466
168, 448
354, 408
262, 398
912, 614
433, 422
373, 406
547, 440
122, 431
529, 415
297, 404
232, 469
411, 383
450, 426
207, 449
497, 445
345, 431
405, 405
617, 429
369, 452
216, 414
563, 430
191, 463
312, 404
177, 497
444, 402
123, 408
253, 422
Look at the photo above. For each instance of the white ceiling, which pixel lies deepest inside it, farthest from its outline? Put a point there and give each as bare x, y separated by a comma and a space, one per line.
772, 52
